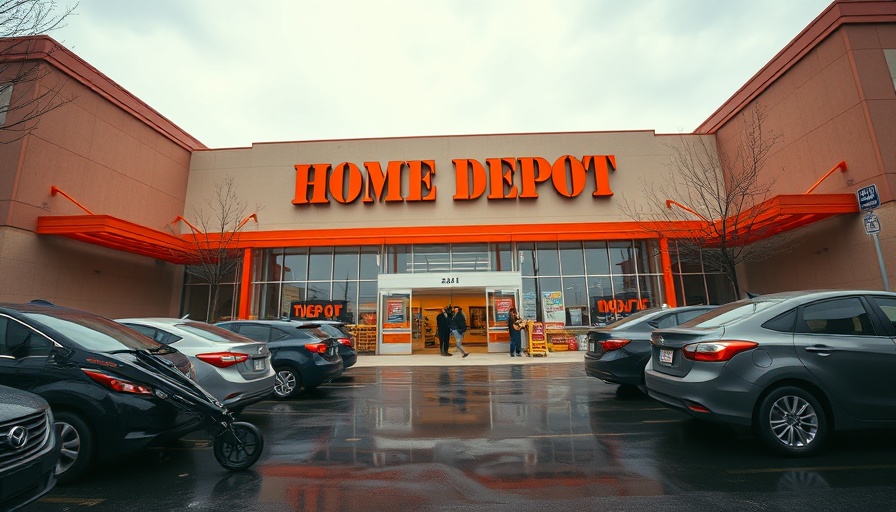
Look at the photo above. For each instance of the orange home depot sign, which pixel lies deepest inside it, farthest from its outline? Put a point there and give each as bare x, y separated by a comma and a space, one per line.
316, 309
500, 178
621, 306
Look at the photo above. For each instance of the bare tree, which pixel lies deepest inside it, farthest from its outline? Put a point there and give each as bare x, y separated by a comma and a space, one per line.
722, 193
22, 102
215, 239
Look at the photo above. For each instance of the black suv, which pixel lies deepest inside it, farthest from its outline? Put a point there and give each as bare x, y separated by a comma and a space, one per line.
29, 449
87, 368
303, 355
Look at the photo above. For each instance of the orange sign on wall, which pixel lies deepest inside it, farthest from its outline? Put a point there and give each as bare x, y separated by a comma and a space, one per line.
503, 179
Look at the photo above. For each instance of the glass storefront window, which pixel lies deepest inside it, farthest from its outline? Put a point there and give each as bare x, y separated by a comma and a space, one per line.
622, 258
320, 263
597, 259
267, 266
292, 292
295, 264
571, 259
398, 259
319, 290
432, 258
266, 301
501, 259
575, 300
367, 303
526, 252
370, 262
547, 259
589, 282
345, 264
469, 257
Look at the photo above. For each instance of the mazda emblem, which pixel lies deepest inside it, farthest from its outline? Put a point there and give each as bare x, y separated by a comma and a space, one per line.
17, 437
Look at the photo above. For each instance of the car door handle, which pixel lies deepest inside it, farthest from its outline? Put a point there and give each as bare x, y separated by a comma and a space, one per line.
823, 350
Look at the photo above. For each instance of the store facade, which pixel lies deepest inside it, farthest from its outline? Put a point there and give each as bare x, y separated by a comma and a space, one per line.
382, 233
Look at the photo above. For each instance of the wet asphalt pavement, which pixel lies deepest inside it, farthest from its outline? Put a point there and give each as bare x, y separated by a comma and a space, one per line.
500, 437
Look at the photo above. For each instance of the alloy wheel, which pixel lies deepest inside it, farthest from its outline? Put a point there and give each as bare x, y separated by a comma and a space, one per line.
793, 420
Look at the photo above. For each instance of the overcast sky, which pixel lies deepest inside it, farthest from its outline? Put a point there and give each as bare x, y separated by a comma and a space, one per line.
234, 72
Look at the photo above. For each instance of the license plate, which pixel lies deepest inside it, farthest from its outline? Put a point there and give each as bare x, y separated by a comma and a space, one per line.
258, 364
665, 356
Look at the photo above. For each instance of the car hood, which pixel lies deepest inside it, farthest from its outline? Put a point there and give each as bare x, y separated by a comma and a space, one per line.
15, 404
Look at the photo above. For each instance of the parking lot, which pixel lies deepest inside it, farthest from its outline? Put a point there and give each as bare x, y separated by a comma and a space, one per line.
535, 435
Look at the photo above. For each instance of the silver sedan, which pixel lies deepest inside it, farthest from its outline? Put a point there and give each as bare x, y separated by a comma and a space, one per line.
232, 368
791, 365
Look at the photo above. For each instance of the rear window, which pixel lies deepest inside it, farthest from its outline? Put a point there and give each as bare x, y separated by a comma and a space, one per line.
636, 317
212, 332
729, 313
333, 331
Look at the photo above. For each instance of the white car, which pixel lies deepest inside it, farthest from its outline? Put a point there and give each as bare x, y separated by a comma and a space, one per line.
232, 368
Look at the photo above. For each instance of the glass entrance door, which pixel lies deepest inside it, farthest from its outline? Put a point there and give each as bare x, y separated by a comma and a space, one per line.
396, 322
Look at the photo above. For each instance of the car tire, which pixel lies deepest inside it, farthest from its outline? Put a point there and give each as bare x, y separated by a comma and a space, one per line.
792, 421
77, 447
289, 383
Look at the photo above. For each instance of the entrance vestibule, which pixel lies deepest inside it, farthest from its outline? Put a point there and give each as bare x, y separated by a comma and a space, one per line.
427, 305
408, 305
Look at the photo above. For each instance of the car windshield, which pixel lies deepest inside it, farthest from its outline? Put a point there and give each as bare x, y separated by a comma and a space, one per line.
213, 333
729, 313
96, 333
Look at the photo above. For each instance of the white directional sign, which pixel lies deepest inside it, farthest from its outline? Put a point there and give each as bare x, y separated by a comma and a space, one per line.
872, 224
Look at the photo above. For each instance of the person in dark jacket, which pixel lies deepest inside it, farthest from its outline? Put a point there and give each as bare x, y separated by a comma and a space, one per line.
443, 330
458, 328
514, 324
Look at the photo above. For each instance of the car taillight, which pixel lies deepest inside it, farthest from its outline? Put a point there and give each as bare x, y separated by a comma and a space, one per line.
610, 345
222, 359
115, 383
716, 350
345, 341
319, 348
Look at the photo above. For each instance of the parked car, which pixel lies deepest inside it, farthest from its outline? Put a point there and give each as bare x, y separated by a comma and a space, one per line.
234, 369
29, 449
85, 366
618, 353
338, 332
303, 356
792, 365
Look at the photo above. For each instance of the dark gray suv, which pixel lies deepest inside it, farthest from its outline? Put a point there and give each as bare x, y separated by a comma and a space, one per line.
29, 449
792, 365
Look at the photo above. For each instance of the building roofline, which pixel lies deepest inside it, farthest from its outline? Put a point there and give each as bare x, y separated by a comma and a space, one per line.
50, 51
838, 14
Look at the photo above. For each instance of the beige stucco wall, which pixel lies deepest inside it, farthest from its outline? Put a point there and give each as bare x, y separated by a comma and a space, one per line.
265, 175
836, 104
113, 164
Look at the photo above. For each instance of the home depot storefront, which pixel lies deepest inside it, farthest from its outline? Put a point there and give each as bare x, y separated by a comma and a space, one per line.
383, 234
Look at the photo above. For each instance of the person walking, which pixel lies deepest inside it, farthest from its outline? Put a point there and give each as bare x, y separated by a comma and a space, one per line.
458, 328
514, 326
443, 330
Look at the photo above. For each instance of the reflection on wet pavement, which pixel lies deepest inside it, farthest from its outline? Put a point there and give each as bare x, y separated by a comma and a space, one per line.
435, 437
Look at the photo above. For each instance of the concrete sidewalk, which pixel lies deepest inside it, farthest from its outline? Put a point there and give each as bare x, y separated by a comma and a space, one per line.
474, 359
